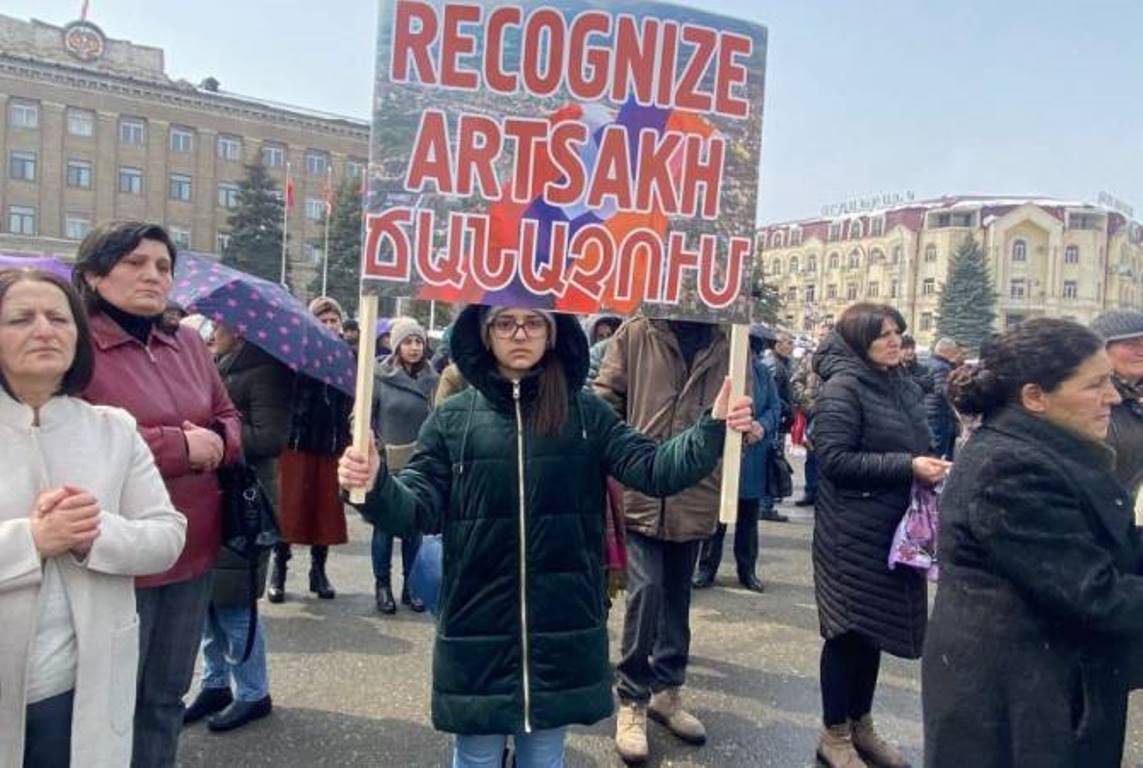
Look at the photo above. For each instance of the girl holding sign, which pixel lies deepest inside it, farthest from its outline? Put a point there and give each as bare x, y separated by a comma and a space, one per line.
513, 472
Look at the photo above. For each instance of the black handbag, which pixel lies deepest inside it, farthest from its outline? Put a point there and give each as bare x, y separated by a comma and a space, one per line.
249, 528
779, 476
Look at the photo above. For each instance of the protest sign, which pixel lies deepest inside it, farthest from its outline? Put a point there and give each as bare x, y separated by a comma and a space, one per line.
566, 156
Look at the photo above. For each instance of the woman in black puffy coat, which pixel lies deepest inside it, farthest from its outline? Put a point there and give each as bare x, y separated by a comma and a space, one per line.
870, 437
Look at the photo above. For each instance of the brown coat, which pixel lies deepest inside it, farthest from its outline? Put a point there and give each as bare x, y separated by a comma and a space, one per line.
644, 377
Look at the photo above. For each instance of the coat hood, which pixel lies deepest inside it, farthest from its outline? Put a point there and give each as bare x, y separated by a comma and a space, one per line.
478, 367
591, 322
834, 356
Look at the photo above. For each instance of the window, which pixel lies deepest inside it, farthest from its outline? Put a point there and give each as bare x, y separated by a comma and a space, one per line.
876, 256
812, 263
807, 323
898, 253
1085, 221
1071, 254
273, 155
851, 291
926, 321
131, 130
131, 181
854, 259
834, 260
179, 187
221, 242
354, 169
928, 286
22, 165
1017, 289
315, 208
792, 293
831, 291
793, 265
230, 148
796, 236
23, 114
872, 291
877, 227
951, 219
1012, 320
1019, 251
316, 162
777, 240
931, 252
180, 236
810, 293
228, 195
76, 227
182, 140
79, 174
312, 253
776, 267
892, 289
21, 220
1071, 289
835, 230
855, 229
80, 122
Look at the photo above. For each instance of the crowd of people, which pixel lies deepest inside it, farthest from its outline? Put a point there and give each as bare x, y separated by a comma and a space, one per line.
117, 421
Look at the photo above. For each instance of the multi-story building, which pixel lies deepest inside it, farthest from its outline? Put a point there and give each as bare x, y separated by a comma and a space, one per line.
93, 129
1047, 257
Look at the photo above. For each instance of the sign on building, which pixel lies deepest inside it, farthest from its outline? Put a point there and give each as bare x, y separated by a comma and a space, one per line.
562, 155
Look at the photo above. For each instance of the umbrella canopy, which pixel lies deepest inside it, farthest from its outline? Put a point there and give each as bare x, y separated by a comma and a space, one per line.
266, 315
47, 263
759, 331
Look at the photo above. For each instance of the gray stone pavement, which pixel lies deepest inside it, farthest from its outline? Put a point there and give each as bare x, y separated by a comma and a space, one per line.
351, 687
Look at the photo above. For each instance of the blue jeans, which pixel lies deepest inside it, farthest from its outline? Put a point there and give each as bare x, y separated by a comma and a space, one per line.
382, 550
811, 473
539, 749
225, 635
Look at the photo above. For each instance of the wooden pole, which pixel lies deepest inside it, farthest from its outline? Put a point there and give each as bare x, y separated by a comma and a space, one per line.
363, 398
732, 448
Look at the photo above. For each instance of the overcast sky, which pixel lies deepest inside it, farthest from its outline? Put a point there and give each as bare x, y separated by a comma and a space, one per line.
862, 97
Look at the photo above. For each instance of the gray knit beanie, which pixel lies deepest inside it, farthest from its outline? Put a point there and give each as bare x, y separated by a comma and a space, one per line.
403, 328
1119, 325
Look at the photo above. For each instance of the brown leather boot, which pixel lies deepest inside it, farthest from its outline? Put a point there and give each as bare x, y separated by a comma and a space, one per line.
875, 749
835, 749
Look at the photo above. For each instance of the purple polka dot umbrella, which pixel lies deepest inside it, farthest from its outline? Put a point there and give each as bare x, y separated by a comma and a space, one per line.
266, 315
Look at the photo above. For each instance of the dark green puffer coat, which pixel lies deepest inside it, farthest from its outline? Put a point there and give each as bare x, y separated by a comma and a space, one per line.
522, 632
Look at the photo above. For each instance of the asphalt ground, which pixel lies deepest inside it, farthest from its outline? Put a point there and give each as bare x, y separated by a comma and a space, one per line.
351, 687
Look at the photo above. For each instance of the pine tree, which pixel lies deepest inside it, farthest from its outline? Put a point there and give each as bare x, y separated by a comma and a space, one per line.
967, 301
255, 245
344, 275
764, 295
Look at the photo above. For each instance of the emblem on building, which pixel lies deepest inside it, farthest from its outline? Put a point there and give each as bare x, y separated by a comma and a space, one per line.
84, 40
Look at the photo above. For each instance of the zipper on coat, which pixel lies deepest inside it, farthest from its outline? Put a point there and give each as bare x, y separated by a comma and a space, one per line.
523, 558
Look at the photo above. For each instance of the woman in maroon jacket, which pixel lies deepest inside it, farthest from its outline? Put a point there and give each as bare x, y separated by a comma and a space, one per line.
165, 377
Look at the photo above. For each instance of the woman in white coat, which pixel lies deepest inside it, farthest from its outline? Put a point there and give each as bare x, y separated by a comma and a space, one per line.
82, 511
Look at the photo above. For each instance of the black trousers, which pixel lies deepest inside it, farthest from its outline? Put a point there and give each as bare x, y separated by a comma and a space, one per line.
849, 669
745, 543
47, 732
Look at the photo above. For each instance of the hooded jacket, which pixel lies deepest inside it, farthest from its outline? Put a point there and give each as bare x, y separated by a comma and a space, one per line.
646, 380
401, 403
522, 631
869, 424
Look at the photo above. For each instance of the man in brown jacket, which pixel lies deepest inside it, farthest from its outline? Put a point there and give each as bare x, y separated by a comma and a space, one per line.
660, 376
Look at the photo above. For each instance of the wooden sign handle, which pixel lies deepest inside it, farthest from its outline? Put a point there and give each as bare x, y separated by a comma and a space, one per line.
732, 448
363, 397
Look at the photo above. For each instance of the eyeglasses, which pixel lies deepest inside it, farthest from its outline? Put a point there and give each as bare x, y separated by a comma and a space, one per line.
505, 327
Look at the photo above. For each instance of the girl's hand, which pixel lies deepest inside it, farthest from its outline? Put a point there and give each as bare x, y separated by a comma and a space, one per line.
739, 414
930, 470
357, 472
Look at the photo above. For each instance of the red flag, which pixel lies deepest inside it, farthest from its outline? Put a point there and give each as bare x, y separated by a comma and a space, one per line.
327, 193
289, 193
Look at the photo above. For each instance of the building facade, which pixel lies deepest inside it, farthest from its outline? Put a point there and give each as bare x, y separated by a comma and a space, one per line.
1047, 258
94, 129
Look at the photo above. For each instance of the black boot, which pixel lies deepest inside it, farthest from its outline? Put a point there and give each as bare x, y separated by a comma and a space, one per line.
208, 701
276, 592
751, 582
416, 605
319, 582
384, 598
